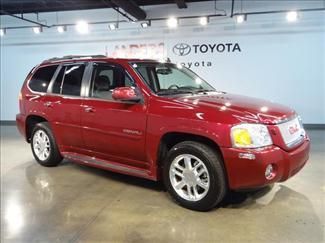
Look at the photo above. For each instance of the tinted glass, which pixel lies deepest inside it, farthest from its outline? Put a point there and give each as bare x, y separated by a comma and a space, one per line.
41, 79
72, 80
56, 89
106, 78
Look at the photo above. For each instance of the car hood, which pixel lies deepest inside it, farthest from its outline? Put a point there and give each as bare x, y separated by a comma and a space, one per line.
239, 108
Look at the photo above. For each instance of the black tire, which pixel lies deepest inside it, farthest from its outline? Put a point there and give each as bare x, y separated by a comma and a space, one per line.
54, 157
214, 165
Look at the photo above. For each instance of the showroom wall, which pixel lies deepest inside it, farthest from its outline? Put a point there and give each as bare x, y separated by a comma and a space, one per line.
265, 57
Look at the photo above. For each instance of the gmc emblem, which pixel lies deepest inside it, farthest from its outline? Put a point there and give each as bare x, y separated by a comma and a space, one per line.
293, 129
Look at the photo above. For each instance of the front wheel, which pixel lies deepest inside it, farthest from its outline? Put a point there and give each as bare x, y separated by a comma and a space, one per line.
44, 147
194, 176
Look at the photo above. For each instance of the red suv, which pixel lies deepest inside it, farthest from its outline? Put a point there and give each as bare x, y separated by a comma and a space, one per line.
159, 121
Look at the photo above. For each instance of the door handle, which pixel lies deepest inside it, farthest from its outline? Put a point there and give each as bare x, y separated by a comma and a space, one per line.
48, 104
89, 109
28, 96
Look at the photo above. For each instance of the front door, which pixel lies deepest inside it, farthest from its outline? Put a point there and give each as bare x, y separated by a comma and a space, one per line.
114, 130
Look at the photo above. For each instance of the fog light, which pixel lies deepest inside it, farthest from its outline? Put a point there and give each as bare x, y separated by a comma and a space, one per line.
269, 172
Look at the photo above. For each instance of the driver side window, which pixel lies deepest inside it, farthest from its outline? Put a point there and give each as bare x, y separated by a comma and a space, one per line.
106, 78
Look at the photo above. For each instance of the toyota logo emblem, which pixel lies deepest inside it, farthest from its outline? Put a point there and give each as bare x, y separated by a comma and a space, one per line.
182, 49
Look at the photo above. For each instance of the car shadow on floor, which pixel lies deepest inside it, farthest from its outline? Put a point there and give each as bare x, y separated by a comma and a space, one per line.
121, 178
233, 199
277, 203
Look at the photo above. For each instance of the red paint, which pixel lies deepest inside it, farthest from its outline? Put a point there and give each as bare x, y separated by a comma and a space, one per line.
125, 94
128, 134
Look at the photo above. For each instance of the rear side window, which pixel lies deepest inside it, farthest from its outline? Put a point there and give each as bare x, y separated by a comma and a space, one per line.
41, 78
69, 79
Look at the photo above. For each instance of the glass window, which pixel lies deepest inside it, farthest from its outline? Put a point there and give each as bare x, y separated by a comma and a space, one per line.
56, 89
167, 78
72, 80
105, 78
41, 78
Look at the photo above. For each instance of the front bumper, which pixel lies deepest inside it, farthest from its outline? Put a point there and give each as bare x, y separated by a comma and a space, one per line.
244, 173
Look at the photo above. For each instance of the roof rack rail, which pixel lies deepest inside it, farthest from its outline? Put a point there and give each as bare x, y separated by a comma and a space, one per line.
71, 57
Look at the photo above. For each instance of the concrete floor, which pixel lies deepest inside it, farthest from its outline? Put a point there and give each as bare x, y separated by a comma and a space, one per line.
73, 203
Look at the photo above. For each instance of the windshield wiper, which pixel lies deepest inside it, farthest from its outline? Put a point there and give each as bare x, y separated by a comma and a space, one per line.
208, 90
175, 91
202, 90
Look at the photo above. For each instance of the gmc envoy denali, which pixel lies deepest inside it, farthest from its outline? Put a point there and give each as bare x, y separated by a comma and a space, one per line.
159, 121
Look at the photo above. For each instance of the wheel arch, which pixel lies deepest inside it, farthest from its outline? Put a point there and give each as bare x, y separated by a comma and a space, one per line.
169, 139
31, 121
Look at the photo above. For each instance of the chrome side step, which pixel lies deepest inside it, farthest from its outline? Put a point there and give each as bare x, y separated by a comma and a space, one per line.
95, 162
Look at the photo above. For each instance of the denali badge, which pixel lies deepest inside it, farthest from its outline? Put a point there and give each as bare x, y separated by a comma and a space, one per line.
135, 132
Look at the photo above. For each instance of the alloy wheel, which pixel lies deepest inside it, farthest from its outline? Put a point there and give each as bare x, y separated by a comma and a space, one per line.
41, 145
189, 177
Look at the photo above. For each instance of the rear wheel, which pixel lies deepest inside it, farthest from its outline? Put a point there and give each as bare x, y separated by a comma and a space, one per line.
44, 147
194, 176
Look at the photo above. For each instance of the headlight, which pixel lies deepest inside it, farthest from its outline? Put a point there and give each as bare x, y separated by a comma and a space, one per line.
250, 136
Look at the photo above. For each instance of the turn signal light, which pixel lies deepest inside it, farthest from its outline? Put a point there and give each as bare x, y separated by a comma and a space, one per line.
242, 137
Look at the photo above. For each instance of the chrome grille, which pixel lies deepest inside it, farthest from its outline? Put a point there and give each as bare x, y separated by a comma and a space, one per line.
292, 132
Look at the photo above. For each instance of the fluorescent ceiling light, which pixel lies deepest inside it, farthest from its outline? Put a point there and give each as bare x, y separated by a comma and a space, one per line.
292, 16
2, 32
240, 19
62, 29
113, 26
204, 20
145, 24
82, 27
37, 30
172, 22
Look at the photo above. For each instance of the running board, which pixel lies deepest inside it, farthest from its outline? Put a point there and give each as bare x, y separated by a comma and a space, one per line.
106, 165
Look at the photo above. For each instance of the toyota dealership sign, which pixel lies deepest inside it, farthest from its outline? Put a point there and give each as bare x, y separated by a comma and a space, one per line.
191, 54
183, 49
200, 54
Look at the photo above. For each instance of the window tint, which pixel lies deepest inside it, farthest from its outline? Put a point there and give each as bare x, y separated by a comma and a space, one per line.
149, 76
72, 80
41, 79
56, 89
106, 78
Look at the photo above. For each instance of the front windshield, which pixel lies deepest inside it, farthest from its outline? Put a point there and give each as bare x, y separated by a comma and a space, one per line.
167, 78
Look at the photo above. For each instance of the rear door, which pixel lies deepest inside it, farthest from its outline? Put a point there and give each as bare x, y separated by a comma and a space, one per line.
63, 105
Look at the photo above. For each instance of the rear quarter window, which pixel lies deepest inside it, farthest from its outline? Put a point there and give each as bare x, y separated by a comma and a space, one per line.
41, 78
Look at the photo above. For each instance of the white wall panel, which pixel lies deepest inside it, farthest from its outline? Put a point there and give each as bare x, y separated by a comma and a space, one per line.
279, 61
